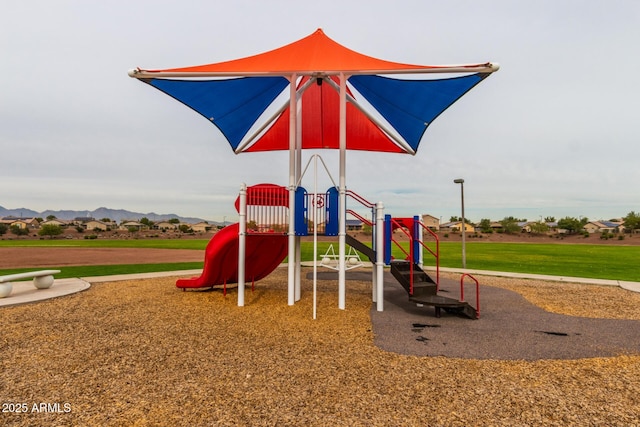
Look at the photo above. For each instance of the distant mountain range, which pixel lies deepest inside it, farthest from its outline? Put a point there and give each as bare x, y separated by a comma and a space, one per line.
113, 214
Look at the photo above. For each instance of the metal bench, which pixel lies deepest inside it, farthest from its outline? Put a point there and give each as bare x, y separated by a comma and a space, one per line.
42, 279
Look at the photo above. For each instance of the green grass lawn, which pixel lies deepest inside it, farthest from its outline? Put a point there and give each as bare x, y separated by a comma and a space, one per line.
106, 243
111, 270
592, 261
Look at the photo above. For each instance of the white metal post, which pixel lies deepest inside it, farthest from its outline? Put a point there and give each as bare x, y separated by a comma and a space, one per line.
292, 190
315, 237
342, 204
298, 272
374, 246
380, 256
242, 243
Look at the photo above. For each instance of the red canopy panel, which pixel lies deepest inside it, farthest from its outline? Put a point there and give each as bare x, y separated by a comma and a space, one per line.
320, 125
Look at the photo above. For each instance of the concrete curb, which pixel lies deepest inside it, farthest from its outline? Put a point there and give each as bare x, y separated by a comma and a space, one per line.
24, 292
630, 286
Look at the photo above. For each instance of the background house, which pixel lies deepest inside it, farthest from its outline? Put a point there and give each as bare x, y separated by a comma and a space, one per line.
97, 225
131, 225
81, 220
431, 222
165, 225
201, 227
603, 227
524, 226
55, 221
22, 223
354, 225
456, 226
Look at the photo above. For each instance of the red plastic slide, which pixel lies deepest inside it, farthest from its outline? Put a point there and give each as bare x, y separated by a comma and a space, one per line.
263, 254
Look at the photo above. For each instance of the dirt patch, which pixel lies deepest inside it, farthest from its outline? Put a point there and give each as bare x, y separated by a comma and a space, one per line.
23, 257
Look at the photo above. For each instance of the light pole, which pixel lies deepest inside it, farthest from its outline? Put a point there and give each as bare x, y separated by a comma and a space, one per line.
462, 224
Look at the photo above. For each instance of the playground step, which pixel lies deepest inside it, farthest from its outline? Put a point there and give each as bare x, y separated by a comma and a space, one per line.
425, 290
422, 283
450, 305
469, 311
421, 289
404, 267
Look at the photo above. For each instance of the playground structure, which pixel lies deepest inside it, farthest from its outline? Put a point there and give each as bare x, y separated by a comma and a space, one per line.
292, 98
252, 248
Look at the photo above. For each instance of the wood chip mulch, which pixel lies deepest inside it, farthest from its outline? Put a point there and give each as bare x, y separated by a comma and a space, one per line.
143, 353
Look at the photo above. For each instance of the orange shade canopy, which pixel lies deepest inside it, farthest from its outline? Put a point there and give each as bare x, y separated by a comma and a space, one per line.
310, 55
234, 106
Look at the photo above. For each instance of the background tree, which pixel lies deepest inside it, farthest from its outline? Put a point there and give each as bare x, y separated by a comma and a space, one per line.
549, 219
539, 227
571, 224
174, 221
18, 231
485, 225
458, 218
185, 228
632, 221
3, 229
50, 217
146, 221
50, 230
510, 225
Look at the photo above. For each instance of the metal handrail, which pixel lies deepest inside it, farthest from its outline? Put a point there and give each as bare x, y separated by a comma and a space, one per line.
401, 228
359, 198
409, 255
477, 292
435, 254
360, 217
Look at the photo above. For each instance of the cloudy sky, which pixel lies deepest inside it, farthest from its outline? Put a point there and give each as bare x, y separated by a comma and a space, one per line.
553, 133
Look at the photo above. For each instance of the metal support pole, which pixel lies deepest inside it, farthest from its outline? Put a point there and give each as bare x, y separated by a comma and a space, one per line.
374, 246
292, 191
342, 204
380, 256
242, 243
298, 174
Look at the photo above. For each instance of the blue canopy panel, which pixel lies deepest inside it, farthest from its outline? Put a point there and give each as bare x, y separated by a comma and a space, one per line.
233, 105
411, 105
